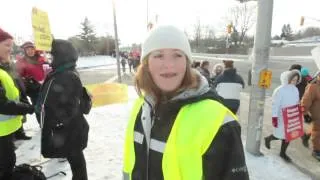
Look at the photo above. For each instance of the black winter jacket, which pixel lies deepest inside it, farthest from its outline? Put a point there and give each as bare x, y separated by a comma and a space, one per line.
229, 85
65, 129
224, 159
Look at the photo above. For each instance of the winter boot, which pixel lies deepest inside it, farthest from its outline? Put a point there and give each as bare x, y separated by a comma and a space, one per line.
267, 140
316, 154
305, 140
21, 135
283, 155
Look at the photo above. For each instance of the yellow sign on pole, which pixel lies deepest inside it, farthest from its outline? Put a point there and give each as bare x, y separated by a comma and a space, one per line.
41, 29
265, 79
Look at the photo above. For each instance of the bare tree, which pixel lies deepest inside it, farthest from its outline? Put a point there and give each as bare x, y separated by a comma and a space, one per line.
243, 18
311, 31
208, 36
197, 33
208, 32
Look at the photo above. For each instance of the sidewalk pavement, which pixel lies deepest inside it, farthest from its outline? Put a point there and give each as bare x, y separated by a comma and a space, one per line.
300, 155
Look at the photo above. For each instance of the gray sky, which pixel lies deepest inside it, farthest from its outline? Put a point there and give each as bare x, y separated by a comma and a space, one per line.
65, 15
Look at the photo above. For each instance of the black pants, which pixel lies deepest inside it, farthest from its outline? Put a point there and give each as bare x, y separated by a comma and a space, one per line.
34, 99
78, 166
123, 68
7, 157
20, 132
284, 144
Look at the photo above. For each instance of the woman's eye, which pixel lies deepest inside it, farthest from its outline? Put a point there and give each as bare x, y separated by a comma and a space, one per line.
158, 56
178, 55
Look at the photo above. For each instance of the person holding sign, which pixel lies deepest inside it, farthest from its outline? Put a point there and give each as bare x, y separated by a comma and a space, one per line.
286, 95
311, 106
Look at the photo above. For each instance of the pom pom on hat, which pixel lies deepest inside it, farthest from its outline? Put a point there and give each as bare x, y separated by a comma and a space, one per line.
304, 72
4, 35
166, 37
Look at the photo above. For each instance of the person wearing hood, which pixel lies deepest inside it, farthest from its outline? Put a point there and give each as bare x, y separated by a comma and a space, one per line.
64, 127
11, 109
311, 105
229, 85
169, 134
285, 95
306, 79
217, 71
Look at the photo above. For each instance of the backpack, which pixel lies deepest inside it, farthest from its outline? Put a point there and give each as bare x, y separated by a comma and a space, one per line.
86, 101
28, 172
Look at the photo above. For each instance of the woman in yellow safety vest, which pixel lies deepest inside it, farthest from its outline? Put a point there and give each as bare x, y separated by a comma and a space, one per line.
11, 110
178, 129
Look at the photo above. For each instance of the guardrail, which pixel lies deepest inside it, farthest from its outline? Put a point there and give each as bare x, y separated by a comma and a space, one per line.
236, 57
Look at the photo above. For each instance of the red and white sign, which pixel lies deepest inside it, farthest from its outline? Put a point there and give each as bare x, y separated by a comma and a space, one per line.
293, 122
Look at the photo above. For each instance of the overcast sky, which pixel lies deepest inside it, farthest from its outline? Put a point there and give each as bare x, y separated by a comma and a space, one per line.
65, 15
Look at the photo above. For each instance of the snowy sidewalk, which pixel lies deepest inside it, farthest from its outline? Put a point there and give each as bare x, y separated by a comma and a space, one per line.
105, 147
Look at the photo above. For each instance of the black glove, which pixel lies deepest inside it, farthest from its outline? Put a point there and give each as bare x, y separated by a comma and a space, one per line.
29, 109
31, 85
307, 119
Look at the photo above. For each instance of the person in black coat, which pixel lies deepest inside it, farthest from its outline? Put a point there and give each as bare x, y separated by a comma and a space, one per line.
64, 128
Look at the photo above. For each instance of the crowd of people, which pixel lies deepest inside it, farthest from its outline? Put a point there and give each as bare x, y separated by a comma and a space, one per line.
55, 91
169, 133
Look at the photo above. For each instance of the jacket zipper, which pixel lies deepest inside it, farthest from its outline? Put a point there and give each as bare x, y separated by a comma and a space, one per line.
42, 113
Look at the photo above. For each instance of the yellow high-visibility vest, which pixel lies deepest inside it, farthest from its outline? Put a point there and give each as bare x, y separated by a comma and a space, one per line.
194, 129
9, 123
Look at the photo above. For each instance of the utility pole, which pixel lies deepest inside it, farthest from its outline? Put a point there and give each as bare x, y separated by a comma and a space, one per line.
262, 40
147, 13
116, 40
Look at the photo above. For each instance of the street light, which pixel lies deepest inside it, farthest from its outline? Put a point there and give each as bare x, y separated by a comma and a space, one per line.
116, 40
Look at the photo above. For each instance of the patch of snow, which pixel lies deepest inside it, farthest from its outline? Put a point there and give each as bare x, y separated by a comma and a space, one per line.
105, 149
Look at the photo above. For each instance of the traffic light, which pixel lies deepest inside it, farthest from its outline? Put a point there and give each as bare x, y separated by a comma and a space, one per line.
302, 21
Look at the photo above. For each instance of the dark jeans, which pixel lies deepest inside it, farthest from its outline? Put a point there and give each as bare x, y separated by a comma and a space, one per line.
78, 166
7, 157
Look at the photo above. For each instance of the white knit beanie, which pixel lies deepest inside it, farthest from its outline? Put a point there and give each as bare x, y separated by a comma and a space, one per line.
166, 37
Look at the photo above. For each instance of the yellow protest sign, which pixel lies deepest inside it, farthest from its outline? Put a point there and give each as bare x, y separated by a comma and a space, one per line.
108, 93
265, 79
41, 29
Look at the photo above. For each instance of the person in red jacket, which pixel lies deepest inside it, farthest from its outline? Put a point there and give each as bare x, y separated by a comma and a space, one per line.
31, 70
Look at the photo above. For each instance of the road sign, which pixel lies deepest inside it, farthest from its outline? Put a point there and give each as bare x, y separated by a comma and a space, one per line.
265, 79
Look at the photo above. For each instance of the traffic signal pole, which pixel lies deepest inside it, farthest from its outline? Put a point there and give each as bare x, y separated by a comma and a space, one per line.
262, 40
116, 40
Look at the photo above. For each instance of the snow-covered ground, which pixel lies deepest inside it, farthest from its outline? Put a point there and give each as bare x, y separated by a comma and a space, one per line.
105, 147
